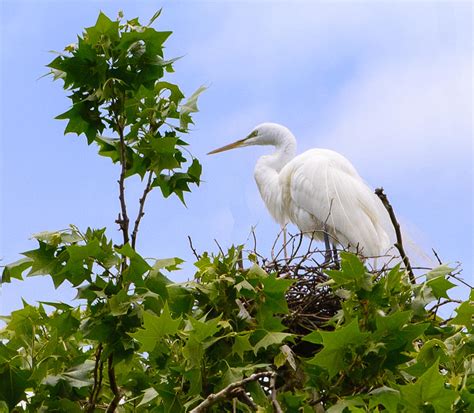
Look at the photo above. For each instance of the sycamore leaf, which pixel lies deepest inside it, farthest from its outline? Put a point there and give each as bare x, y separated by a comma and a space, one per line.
188, 107
16, 269
269, 339
13, 383
439, 286
465, 313
155, 328
149, 395
274, 293
336, 343
428, 390
202, 329
241, 345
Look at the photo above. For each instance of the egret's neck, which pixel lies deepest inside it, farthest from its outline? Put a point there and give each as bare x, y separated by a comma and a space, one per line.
266, 174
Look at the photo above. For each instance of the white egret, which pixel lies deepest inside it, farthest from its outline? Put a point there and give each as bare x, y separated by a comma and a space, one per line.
319, 191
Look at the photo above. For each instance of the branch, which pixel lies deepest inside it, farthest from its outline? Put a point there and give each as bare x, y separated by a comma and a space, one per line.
113, 385
399, 244
122, 219
198, 257
98, 368
146, 191
276, 406
229, 391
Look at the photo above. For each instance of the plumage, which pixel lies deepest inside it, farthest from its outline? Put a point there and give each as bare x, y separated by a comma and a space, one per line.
319, 191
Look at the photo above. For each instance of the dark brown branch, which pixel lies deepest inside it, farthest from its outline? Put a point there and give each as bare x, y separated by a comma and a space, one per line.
196, 255
122, 219
141, 212
98, 368
229, 391
113, 385
399, 244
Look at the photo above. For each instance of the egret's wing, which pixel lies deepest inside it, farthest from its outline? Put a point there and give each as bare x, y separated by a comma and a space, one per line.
324, 185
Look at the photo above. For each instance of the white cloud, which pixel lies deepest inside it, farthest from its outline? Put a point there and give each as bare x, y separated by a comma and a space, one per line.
411, 114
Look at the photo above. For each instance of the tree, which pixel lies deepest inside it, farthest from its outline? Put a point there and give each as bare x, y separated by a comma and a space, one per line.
277, 335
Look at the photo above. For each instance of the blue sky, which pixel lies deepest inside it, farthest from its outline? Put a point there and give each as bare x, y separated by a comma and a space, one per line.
387, 84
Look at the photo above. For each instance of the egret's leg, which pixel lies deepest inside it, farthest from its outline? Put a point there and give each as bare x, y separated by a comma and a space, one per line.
335, 256
285, 252
327, 245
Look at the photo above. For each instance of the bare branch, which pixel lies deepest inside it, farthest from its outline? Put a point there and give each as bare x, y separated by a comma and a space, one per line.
122, 219
196, 255
399, 244
229, 391
141, 212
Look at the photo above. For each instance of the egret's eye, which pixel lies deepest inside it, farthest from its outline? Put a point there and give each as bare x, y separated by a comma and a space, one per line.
252, 134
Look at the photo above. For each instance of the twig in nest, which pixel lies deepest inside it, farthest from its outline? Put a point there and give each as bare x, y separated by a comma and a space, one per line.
399, 244
229, 391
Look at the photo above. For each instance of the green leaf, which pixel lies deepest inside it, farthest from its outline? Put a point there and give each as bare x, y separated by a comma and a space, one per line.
274, 293
386, 396
16, 269
202, 329
428, 390
13, 383
155, 328
465, 314
104, 30
439, 286
77, 376
190, 106
149, 395
352, 271
270, 339
336, 343
241, 345
441, 271
138, 266
390, 324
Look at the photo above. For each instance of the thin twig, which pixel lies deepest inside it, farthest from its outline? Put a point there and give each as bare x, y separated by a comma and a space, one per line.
196, 255
437, 256
399, 244
228, 391
141, 212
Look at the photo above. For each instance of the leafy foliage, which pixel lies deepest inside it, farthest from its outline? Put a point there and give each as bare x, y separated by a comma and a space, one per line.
114, 75
137, 342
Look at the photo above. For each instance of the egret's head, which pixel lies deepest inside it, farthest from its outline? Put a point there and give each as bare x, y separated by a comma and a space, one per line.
263, 134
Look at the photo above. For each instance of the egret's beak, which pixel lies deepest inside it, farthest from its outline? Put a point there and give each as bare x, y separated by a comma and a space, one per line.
236, 144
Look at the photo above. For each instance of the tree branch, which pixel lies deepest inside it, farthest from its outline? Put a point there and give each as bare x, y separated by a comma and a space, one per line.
146, 191
276, 406
122, 219
399, 244
198, 257
229, 391
98, 368
113, 385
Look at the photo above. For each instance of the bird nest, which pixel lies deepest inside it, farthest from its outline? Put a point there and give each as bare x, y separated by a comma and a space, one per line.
311, 301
